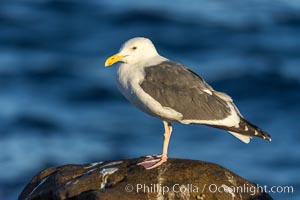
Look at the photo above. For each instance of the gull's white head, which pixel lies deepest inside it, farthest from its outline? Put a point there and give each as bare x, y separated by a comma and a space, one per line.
133, 51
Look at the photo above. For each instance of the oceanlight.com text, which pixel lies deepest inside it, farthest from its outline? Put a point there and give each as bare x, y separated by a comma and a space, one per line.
212, 188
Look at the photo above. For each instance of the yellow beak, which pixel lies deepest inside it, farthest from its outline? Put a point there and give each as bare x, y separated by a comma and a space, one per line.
113, 59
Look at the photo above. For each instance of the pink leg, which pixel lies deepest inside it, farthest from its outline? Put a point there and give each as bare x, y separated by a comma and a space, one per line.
154, 161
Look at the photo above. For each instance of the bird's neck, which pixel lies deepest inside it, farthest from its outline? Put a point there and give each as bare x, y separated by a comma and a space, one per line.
153, 60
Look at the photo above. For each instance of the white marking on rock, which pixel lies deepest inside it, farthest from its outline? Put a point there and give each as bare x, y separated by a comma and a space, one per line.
34, 189
108, 171
105, 173
93, 164
229, 190
112, 164
255, 132
246, 128
90, 171
73, 182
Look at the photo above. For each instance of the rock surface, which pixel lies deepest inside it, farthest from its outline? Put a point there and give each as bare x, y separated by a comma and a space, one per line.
123, 179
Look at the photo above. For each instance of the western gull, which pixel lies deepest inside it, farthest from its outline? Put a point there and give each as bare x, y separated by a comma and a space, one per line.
173, 93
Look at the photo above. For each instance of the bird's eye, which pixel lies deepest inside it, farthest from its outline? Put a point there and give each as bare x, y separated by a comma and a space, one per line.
134, 48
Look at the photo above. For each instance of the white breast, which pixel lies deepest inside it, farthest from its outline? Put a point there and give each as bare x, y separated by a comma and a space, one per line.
128, 79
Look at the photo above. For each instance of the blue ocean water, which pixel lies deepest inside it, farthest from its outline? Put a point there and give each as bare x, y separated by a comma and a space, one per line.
59, 105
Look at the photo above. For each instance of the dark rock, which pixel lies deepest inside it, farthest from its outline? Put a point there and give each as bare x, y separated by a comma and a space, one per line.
123, 179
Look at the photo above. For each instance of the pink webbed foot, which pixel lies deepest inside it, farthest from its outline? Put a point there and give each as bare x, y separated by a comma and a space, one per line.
152, 161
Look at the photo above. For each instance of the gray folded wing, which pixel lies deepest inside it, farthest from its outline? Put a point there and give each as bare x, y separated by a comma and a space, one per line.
177, 87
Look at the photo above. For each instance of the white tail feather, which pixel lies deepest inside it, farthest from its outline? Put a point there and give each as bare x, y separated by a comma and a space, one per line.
243, 138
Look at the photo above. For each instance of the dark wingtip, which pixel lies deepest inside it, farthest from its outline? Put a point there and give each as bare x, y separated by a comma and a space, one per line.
266, 136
